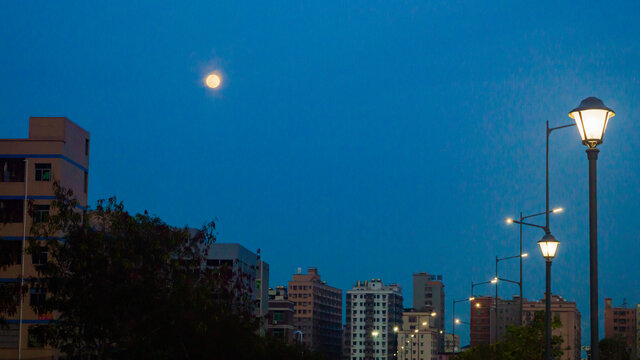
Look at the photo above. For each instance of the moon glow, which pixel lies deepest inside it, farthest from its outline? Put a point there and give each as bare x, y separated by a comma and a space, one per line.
213, 81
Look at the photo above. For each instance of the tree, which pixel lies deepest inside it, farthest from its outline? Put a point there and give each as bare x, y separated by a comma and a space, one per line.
520, 343
614, 349
127, 286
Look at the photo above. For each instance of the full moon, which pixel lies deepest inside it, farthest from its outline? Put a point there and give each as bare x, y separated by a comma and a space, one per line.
213, 81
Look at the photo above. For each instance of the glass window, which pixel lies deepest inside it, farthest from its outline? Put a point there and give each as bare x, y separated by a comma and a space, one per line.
11, 211
39, 257
9, 336
41, 213
43, 172
37, 297
36, 337
11, 170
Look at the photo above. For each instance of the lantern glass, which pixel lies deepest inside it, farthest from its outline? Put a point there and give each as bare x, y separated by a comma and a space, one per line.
592, 117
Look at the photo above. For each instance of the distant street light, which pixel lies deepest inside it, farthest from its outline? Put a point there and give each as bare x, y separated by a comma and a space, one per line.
455, 321
592, 117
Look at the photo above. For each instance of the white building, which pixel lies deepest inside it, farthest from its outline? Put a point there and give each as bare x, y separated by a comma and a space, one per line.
373, 311
418, 336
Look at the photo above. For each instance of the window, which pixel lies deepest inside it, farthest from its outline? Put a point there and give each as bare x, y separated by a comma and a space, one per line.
9, 336
36, 337
41, 213
39, 257
11, 211
43, 172
11, 251
278, 316
86, 182
37, 297
11, 170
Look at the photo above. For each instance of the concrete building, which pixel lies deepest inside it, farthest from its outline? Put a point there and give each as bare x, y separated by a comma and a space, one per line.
428, 295
373, 311
280, 316
318, 313
482, 310
243, 261
451, 343
571, 323
621, 322
508, 314
417, 339
56, 149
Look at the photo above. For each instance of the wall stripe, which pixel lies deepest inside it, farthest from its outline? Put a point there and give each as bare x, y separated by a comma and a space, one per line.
36, 197
44, 156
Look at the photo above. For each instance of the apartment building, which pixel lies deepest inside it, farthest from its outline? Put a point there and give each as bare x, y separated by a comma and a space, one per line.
620, 322
571, 323
56, 149
243, 261
374, 310
318, 313
417, 339
428, 295
482, 310
280, 316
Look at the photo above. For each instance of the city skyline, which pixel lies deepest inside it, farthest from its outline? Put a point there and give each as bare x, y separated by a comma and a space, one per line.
367, 140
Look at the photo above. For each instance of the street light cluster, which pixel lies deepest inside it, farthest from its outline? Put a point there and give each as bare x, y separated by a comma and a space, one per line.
591, 118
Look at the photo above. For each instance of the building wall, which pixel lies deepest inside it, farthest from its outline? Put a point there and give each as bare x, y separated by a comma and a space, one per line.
244, 261
428, 295
417, 339
318, 313
280, 315
373, 311
620, 322
64, 146
451, 343
481, 310
571, 323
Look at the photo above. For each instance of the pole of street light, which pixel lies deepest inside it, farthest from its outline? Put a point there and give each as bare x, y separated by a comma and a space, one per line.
592, 117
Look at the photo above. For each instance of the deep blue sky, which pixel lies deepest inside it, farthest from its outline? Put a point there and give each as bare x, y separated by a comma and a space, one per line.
367, 138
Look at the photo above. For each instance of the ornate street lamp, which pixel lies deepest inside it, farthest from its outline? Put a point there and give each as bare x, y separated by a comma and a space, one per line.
592, 118
548, 246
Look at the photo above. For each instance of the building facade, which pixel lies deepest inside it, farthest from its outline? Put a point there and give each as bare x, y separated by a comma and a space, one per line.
245, 262
482, 310
451, 343
417, 339
318, 313
621, 322
374, 310
428, 295
280, 316
570, 331
56, 150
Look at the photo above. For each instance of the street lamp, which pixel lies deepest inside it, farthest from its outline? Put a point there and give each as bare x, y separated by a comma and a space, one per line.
592, 117
456, 321
520, 256
521, 222
548, 246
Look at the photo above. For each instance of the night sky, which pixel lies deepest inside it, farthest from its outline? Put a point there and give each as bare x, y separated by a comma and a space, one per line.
371, 139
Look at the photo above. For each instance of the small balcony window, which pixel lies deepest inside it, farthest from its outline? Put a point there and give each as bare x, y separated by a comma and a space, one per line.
43, 172
11, 170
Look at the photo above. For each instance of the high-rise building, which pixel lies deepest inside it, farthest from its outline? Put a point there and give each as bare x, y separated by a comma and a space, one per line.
373, 311
570, 331
482, 312
428, 295
280, 316
620, 322
318, 313
56, 149
417, 339
243, 261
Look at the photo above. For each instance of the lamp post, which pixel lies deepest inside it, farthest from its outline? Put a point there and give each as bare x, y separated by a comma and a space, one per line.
522, 219
453, 326
592, 117
521, 255
548, 246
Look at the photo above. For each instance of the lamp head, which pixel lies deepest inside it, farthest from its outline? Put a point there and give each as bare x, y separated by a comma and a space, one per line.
548, 246
509, 220
592, 117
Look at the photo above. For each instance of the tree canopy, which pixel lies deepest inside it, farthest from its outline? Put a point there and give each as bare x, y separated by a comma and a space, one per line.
520, 343
122, 286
